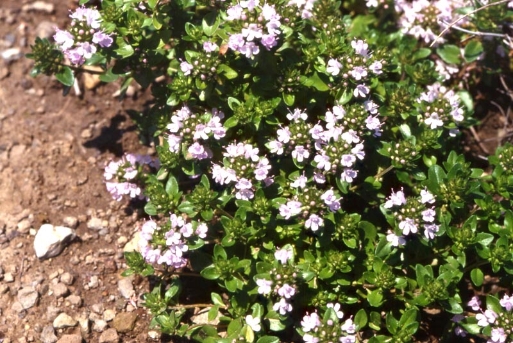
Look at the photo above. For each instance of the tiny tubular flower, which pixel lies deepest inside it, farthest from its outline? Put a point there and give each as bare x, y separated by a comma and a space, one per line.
333, 67
310, 322
396, 199
408, 225
264, 286
253, 322
314, 222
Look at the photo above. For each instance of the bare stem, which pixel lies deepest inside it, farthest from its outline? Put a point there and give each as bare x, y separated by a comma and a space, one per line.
465, 16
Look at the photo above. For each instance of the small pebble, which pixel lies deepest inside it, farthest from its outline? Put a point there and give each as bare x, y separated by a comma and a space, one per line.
99, 325
63, 320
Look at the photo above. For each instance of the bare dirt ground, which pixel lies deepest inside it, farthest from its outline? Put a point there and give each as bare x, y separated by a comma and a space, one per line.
52, 153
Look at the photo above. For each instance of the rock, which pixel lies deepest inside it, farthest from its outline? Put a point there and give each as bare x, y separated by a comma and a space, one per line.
96, 223
109, 315
124, 321
93, 282
91, 81
126, 288
109, 336
17, 307
8, 277
24, 226
39, 6
67, 279
28, 297
50, 240
52, 312
48, 335
75, 300
64, 321
133, 245
45, 29
83, 321
70, 222
60, 290
97, 308
153, 334
70, 339
99, 325
11, 54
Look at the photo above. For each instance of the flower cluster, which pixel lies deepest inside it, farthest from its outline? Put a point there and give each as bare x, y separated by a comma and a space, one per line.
338, 145
356, 66
305, 7
81, 41
189, 132
241, 165
168, 246
438, 105
328, 328
425, 19
495, 321
261, 24
282, 283
411, 213
124, 176
202, 64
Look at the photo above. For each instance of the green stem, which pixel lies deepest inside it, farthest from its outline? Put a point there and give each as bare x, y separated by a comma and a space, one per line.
79, 69
377, 176
477, 264
178, 307
224, 212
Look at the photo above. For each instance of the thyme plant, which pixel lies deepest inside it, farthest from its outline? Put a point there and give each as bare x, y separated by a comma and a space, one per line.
309, 185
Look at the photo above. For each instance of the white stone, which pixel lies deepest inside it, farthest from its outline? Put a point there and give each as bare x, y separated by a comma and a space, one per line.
133, 244
63, 320
50, 240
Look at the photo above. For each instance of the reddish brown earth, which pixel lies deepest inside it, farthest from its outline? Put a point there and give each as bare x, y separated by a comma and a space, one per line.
52, 152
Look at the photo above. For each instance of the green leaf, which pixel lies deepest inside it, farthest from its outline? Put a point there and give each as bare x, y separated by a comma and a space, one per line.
212, 313
124, 50
172, 187
392, 323
408, 317
216, 299
150, 209
473, 50
210, 24
477, 277
232, 284
375, 298
360, 319
289, 99
421, 54
316, 82
484, 238
210, 273
220, 253
449, 53
231, 122
66, 76
228, 72
268, 339
275, 323
109, 76
492, 303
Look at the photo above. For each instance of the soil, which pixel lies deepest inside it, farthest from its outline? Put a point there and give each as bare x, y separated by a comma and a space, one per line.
53, 149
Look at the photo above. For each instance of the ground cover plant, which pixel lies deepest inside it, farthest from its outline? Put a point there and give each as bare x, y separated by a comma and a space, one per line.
309, 177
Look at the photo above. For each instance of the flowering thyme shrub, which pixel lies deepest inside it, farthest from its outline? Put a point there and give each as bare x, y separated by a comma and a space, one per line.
309, 185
